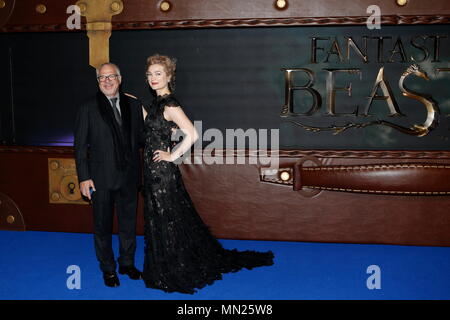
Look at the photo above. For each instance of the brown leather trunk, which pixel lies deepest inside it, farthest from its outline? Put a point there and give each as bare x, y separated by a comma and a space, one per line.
237, 202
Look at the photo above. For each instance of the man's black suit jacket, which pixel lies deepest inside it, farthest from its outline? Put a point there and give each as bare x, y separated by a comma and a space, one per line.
94, 145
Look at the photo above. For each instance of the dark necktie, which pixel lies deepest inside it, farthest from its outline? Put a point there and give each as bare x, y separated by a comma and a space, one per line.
116, 111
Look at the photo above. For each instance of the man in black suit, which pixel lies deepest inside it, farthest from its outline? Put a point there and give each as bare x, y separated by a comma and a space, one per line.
108, 134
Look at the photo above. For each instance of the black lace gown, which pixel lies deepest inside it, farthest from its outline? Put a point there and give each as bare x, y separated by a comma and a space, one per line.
181, 254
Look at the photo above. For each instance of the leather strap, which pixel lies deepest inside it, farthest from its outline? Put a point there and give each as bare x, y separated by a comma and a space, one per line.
397, 179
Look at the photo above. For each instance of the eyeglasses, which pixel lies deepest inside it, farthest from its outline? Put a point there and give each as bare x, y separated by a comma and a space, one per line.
110, 77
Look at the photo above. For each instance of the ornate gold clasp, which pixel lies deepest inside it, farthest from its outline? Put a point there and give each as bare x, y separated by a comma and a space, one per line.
98, 15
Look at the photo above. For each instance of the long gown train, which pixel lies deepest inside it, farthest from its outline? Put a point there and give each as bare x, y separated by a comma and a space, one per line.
181, 254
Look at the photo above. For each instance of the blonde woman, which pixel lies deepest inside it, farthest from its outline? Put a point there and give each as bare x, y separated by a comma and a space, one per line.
180, 252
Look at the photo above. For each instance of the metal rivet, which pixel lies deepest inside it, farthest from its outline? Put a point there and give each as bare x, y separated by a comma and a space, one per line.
115, 6
10, 219
40, 8
285, 176
165, 6
82, 7
55, 196
281, 4
2, 4
54, 165
402, 2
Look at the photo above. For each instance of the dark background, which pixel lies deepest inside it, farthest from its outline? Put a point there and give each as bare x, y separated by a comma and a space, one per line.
227, 78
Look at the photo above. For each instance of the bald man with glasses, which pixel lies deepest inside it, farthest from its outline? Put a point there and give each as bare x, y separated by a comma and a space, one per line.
108, 135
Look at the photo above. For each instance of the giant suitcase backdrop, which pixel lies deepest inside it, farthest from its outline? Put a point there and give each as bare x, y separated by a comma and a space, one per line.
325, 122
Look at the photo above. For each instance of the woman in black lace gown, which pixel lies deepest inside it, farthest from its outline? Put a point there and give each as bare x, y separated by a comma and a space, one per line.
181, 255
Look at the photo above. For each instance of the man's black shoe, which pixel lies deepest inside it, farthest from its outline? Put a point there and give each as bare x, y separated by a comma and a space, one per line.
111, 279
131, 271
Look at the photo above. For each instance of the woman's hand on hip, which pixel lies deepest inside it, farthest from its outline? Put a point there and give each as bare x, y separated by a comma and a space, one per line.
160, 155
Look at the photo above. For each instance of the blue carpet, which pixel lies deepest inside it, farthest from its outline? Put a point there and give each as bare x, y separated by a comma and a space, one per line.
33, 265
